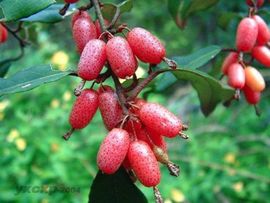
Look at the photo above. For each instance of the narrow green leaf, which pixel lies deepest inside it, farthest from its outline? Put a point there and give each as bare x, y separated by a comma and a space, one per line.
30, 78
115, 188
14, 10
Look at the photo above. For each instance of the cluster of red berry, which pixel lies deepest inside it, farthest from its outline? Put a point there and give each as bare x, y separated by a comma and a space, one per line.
3, 34
252, 38
136, 136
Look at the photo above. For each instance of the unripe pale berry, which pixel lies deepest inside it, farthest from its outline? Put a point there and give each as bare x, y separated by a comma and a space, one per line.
92, 59
262, 55
144, 163
146, 46
251, 96
113, 150
246, 36
258, 3
254, 79
236, 76
229, 60
110, 109
263, 31
84, 109
3, 34
98, 27
121, 57
158, 119
83, 30
80, 14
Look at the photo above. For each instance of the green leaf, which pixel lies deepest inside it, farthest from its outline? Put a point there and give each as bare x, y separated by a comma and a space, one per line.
109, 9
4, 67
115, 188
49, 15
17, 9
30, 78
126, 6
225, 19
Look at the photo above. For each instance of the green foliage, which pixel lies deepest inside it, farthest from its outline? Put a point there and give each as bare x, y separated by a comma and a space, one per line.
109, 9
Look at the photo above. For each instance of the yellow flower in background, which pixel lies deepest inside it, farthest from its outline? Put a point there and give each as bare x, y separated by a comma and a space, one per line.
20, 144
139, 73
60, 59
67, 96
177, 195
167, 201
238, 187
13, 134
55, 103
3, 105
230, 158
2, 116
54, 147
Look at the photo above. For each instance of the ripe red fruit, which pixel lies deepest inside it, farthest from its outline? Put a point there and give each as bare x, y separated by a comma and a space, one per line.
3, 34
262, 55
251, 96
254, 79
158, 119
246, 36
258, 3
84, 109
110, 109
120, 57
80, 14
92, 59
229, 60
236, 76
71, 1
98, 27
138, 103
83, 31
263, 31
146, 46
144, 163
113, 150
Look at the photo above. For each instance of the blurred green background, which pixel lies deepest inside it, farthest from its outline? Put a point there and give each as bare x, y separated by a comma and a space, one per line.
226, 158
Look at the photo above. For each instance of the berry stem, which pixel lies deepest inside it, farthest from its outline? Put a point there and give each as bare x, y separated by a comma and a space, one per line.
157, 194
115, 18
173, 168
78, 89
68, 134
63, 10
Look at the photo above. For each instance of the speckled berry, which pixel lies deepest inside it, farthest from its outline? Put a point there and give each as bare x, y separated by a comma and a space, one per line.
121, 57
236, 76
144, 163
251, 96
3, 34
263, 31
262, 55
80, 14
84, 109
92, 59
146, 46
158, 119
229, 60
113, 150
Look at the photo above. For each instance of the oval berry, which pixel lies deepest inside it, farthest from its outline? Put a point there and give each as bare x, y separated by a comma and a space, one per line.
258, 3
3, 34
146, 46
110, 109
236, 76
98, 27
121, 57
251, 96
84, 109
83, 31
71, 1
246, 36
263, 31
144, 163
92, 59
262, 55
254, 79
113, 150
229, 60
158, 119
80, 14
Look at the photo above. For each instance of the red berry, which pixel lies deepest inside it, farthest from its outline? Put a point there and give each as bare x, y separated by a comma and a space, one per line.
262, 55
236, 76
120, 57
263, 31
254, 79
92, 59
146, 46
98, 27
80, 14
138, 103
3, 34
144, 163
83, 31
251, 96
110, 108
229, 60
71, 1
84, 109
258, 3
246, 35
113, 150
158, 119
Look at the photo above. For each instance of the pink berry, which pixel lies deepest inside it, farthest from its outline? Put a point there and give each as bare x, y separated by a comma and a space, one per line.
120, 57
3, 34
92, 59
146, 46
80, 14
263, 31
262, 55
110, 109
84, 109
71, 1
113, 150
246, 35
229, 60
83, 31
251, 96
144, 163
158, 119
236, 76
